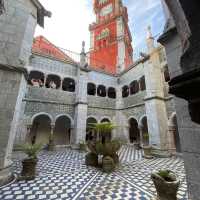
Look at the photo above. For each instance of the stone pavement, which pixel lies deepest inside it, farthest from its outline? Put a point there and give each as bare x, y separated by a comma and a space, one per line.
62, 175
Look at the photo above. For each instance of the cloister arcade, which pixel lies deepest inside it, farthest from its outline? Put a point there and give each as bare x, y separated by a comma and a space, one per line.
134, 87
43, 126
39, 79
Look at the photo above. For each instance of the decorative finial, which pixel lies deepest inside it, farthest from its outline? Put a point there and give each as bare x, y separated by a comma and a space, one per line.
149, 33
83, 47
83, 61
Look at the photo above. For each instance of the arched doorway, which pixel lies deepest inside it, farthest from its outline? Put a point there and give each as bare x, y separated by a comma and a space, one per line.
90, 134
62, 131
134, 133
41, 129
144, 130
174, 138
108, 136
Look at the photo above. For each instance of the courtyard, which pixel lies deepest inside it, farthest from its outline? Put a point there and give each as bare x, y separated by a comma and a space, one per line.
62, 174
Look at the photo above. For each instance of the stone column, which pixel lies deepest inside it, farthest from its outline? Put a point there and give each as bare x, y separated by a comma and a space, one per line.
17, 26
120, 119
61, 84
171, 138
45, 80
141, 136
28, 132
81, 100
154, 101
51, 144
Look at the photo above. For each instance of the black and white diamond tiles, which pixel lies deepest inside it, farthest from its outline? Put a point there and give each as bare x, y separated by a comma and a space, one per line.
62, 175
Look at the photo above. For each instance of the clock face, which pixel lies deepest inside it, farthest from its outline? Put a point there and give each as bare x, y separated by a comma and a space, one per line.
106, 10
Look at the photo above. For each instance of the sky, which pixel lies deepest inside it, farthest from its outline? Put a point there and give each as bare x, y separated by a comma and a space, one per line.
68, 26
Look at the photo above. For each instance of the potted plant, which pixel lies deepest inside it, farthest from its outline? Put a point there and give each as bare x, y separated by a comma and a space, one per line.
104, 146
146, 147
166, 184
82, 146
29, 164
91, 158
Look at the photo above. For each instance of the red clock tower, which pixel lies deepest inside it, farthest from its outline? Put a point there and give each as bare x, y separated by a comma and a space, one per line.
110, 49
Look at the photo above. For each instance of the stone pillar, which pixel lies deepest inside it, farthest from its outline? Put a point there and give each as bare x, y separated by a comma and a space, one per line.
171, 139
154, 101
61, 84
141, 136
17, 26
45, 80
81, 100
120, 119
28, 132
51, 144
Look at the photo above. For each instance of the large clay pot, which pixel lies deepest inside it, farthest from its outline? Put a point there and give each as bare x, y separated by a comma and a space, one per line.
108, 164
166, 190
147, 151
91, 159
29, 168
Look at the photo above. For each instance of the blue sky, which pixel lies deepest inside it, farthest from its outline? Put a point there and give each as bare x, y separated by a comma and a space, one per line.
143, 13
68, 26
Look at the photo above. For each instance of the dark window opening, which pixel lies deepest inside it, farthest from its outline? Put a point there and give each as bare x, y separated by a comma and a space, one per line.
125, 91
36, 79
68, 85
112, 93
134, 87
101, 91
53, 82
91, 89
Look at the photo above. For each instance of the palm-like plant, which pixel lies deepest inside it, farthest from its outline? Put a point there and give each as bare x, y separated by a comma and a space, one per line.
102, 129
31, 150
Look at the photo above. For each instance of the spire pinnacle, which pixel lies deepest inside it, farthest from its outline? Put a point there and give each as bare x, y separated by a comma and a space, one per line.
83, 47
149, 32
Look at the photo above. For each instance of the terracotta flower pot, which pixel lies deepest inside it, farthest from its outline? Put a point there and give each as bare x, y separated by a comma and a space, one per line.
166, 189
91, 159
108, 164
29, 168
147, 152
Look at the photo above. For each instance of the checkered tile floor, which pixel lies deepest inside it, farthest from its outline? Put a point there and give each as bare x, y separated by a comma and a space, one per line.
62, 175
128, 154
